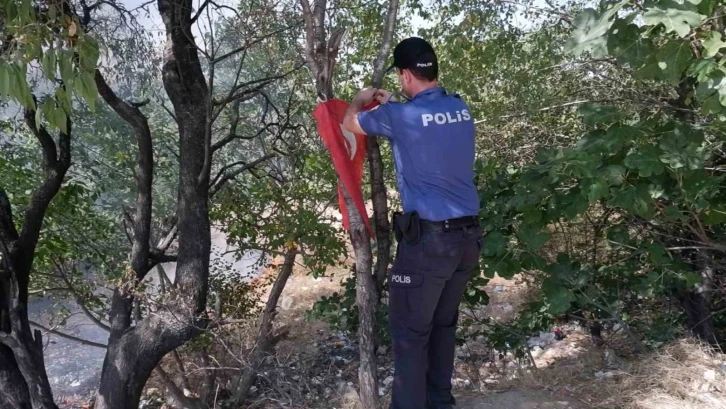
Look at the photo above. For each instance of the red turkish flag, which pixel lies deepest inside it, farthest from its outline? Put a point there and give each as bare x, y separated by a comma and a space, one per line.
348, 152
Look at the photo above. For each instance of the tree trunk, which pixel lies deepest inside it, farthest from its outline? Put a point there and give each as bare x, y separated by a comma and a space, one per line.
132, 357
696, 303
366, 301
265, 340
321, 54
13, 390
21, 348
380, 214
378, 186
134, 352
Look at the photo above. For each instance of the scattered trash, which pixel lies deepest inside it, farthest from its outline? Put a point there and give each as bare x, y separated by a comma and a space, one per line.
559, 334
601, 374
544, 339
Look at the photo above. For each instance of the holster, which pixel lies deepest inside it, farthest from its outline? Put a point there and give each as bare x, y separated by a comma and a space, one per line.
407, 226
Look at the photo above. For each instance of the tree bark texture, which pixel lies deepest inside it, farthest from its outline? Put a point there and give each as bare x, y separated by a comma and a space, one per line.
22, 348
266, 341
13, 390
366, 301
122, 301
322, 53
134, 352
379, 196
696, 302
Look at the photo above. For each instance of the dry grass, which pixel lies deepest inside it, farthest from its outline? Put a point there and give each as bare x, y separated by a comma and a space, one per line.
685, 375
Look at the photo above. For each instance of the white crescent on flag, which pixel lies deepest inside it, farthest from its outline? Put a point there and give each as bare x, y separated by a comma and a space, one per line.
352, 143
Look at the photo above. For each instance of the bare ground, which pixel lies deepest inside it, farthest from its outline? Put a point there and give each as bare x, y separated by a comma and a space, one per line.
316, 368
517, 399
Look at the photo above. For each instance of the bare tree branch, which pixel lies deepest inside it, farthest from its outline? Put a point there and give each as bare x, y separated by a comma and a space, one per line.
67, 336
199, 12
223, 176
175, 391
249, 89
229, 138
79, 300
249, 44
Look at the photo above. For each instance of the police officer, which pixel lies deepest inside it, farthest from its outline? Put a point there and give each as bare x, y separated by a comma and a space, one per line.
432, 136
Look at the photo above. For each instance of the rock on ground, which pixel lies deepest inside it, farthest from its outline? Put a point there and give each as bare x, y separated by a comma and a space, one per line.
517, 399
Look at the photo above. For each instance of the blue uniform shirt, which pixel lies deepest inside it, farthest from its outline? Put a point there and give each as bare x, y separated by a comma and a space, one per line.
433, 150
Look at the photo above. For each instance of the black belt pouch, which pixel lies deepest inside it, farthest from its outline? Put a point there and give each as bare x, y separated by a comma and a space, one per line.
407, 226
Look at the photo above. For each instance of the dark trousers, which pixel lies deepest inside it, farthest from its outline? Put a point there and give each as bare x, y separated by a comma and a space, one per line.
426, 284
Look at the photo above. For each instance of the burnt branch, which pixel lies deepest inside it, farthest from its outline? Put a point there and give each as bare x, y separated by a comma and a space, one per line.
248, 90
225, 175
157, 257
67, 336
255, 41
200, 11
50, 153
56, 161
8, 233
229, 138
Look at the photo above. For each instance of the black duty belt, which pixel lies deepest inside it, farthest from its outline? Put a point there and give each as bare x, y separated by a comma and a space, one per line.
450, 225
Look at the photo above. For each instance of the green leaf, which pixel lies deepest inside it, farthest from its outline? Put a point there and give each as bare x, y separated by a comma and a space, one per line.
495, 245
65, 61
89, 53
63, 99
635, 199
60, 119
4, 80
714, 216
711, 105
48, 109
701, 68
705, 7
86, 88
673, 59
692, 278
595, 114
560, 297
532, 237
11, 12
683, 148
618, 234
590, 31
627, 44
19, 86
675, 17
673, 214
713, 44
711, 92
646, 161
598, 190
24, 10
49, 64
657, 253
613, 174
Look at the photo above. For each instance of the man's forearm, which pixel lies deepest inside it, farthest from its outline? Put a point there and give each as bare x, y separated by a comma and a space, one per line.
350, 120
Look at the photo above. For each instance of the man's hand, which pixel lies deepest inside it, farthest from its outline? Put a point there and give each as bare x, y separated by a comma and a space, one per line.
365, 96
383, 96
